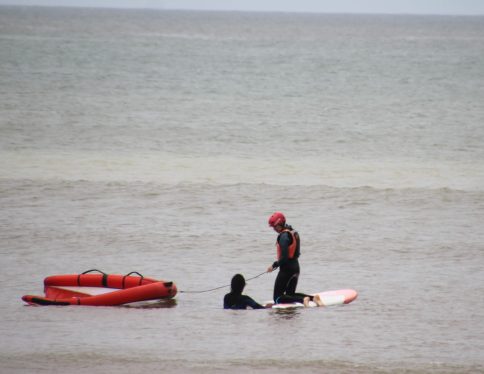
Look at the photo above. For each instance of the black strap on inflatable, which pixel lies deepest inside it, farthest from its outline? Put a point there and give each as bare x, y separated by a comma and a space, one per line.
105, 280
133, 272
99, 271
42, 301
105, 277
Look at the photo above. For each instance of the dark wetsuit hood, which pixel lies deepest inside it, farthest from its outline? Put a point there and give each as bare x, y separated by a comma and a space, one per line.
238, 283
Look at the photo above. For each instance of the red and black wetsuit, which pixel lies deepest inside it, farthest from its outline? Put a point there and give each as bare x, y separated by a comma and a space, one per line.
288, 251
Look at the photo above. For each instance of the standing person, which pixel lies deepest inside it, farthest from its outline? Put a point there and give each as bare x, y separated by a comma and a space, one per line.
235, 299
288, 251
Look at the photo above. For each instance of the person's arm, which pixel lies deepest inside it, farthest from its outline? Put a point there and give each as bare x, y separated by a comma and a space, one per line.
252, 303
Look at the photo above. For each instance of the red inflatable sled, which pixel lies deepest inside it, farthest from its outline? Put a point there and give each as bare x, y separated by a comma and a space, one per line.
101, 289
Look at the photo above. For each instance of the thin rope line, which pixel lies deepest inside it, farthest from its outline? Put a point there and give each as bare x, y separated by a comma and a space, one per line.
217, 288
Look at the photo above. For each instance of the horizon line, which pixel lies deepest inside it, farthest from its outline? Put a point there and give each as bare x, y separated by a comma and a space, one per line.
161, 8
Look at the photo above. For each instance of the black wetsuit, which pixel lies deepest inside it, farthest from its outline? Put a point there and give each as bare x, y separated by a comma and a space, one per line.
238, 301
286, 280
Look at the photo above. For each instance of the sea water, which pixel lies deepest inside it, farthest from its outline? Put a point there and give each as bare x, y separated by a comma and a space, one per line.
161, 141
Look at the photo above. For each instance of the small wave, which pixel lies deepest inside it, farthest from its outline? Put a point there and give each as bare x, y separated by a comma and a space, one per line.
173, 169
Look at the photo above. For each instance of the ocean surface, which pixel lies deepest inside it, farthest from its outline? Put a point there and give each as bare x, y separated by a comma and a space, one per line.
161, 141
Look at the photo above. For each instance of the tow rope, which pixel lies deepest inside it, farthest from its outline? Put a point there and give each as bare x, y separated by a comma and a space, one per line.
217, 288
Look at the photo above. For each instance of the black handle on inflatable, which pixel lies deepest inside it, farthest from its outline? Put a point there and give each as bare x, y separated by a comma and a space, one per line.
134, 272
104, 279
88, 271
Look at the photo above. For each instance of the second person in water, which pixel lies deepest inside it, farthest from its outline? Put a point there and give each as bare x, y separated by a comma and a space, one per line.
235, 300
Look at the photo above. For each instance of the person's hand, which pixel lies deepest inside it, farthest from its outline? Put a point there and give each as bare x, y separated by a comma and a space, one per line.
270, 269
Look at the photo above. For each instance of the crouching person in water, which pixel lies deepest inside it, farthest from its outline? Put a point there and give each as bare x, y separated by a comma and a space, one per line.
235, 299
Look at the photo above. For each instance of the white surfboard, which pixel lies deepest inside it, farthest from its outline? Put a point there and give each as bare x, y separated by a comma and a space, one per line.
329, 298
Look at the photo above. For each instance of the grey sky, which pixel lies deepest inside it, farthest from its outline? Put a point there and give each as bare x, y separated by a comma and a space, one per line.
471, 7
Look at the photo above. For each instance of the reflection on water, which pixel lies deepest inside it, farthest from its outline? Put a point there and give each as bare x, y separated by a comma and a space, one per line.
287, 314
158, 304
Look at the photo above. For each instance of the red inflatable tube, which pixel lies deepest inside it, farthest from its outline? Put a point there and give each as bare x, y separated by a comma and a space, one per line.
98, 280
72, 289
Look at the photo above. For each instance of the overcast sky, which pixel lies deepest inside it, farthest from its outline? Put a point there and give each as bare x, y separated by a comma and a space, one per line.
471, 7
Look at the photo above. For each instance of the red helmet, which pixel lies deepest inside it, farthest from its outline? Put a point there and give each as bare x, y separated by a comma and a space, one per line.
277, 219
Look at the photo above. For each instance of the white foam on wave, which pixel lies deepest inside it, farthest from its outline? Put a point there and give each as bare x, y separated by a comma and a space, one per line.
175, 169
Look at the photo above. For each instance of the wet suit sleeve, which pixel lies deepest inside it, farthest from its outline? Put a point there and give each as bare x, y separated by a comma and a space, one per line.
285, 240
240, 302
251, 302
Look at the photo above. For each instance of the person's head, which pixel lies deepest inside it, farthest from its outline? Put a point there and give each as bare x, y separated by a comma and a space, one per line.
277, 221
238, 283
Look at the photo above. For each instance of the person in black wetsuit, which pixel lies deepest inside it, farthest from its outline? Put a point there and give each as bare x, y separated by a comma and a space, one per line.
235, 299
288, 251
